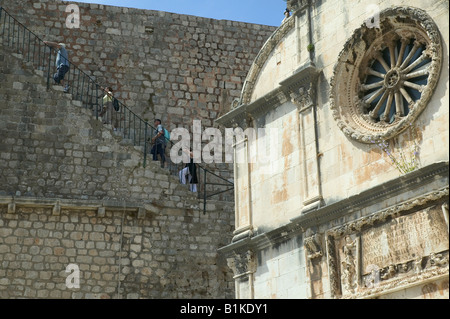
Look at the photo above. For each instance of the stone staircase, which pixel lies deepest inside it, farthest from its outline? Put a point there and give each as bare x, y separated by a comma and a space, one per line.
28, 77
25, 75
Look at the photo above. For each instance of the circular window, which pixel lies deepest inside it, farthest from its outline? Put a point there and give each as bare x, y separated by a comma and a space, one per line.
385, 76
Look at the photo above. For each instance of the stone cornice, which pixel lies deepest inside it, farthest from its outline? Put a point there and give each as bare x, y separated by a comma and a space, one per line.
58, 204
437, 172
68, 203
302, 77
372, 196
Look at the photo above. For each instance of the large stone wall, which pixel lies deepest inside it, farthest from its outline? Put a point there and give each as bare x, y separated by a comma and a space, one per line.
168, 254
178, 68
73, 192
165, 65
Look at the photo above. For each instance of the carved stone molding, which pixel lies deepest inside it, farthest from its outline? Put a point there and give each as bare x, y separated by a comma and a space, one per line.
304, 97
298, 87
295, 5
244, 121
385, 77
242, 263
313, 246
353, 271
261, 59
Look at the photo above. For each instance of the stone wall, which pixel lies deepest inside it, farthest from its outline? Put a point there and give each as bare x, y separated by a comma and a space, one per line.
169, 254
174, 67
73, 192
178, 68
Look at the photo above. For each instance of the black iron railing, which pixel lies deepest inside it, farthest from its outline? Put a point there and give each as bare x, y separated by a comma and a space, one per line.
84, 88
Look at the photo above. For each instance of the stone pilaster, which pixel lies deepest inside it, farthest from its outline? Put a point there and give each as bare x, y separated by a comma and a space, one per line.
244, 265
304, 98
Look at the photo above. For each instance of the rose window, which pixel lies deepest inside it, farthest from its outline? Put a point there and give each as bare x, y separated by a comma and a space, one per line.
395, 80
385, 76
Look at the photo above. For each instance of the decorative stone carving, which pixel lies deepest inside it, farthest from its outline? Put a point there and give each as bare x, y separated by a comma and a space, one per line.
235, 103
304, 97
438, 260
313, 246
348, 276
418, 264
294, 5
389, 272
350, 265
385, 76
242, 263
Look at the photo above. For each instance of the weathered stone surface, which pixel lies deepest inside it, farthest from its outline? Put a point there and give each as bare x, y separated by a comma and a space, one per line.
364, 203
72, 193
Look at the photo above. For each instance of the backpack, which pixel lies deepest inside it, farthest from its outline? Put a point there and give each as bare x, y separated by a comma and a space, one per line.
166, 135
116, 104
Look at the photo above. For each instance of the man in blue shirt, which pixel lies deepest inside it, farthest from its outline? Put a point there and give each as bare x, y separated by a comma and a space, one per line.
62, 63
159, 143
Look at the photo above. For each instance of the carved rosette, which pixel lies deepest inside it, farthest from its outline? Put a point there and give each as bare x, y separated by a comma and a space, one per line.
385, 76
242, 263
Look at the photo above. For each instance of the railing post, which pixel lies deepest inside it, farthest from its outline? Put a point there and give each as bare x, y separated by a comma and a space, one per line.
13, 33
48, 69
23, 41
96, 101
145, 144
18, 38
78, 83
39, 55
4, 22
87, 94
204, 191
29, 47
82, 88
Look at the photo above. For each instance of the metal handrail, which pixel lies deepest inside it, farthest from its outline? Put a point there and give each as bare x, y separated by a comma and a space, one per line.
84, 88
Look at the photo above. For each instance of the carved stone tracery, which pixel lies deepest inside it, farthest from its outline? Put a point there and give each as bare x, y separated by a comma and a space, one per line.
385, 76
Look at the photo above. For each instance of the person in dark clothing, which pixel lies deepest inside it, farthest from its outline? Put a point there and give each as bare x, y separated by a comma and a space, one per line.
159, 143
189, 173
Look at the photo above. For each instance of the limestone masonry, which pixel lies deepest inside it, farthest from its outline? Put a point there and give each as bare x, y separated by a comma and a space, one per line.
350, 99
354, 203
75, 194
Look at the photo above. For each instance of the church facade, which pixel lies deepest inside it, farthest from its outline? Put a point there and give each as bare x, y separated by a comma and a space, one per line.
341, 155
